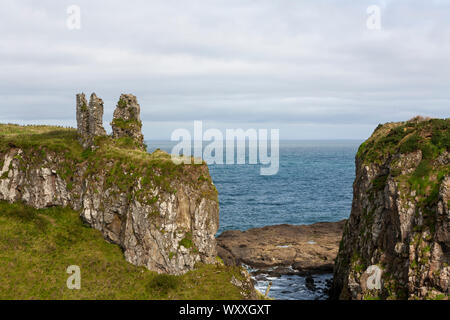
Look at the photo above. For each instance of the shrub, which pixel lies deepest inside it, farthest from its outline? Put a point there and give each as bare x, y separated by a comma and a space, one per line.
187, 241
422, 170
379, 182
411, 144
162, 284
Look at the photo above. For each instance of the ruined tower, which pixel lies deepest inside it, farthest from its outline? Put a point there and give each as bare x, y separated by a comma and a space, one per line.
126, 121
89, 119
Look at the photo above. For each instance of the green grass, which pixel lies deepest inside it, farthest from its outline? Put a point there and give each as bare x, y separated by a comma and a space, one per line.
432, 136
37, 246
41, 139
122, 104
411, 144
187, 241
131, 124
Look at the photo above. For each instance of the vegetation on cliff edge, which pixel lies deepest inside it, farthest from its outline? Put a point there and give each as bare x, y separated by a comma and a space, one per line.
431, 136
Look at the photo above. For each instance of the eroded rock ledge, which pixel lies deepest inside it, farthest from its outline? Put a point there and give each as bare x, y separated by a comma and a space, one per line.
283, 249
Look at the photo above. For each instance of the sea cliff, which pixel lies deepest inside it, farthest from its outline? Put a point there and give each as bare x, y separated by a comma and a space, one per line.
396, 243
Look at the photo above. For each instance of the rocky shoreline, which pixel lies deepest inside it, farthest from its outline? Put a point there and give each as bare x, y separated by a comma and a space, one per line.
297, 260
283, 249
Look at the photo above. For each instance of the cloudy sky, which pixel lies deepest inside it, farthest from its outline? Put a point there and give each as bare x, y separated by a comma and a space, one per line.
312, 69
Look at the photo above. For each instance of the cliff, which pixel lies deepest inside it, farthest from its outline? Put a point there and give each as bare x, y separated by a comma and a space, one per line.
164, 216
396, 243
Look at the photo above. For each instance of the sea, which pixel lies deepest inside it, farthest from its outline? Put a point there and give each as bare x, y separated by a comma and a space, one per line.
313, 184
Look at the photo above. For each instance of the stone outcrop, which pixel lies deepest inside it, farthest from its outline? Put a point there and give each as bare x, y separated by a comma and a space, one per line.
96, 116
83, 120
396, 244
163, 216
89, 119
126, 122
283, 249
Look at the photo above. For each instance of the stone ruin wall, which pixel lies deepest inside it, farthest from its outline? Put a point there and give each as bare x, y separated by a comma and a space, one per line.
126, 122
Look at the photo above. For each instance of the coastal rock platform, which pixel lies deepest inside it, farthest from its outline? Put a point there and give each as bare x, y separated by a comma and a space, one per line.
283, 249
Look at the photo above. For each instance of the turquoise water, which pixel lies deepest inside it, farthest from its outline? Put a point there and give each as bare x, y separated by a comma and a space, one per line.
313, 184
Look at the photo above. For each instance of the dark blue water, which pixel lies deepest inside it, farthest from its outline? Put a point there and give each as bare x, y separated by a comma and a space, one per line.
313, 184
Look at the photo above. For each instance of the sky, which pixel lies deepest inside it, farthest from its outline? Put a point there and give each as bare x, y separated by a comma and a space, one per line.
312, 69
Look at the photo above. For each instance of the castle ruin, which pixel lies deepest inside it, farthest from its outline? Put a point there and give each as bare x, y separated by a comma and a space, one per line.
126, 122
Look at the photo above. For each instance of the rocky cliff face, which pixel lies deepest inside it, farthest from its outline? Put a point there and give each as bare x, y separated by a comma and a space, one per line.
396, 244
163, 215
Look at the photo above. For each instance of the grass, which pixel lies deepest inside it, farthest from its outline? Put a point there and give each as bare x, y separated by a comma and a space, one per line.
40, 139
122, 103
187, 241
37, 246
404, 137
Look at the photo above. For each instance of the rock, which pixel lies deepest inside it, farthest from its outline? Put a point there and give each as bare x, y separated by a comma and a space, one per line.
96, 116
326, 267
89, 119
396, 243
279, 271
236, 282
126, 122
227, 257
309, 283
246, 285
82, 119
261, 277
283, 246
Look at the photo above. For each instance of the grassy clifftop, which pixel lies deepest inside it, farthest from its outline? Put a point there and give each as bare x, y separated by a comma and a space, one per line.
37, 246
129, 162
431, 136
